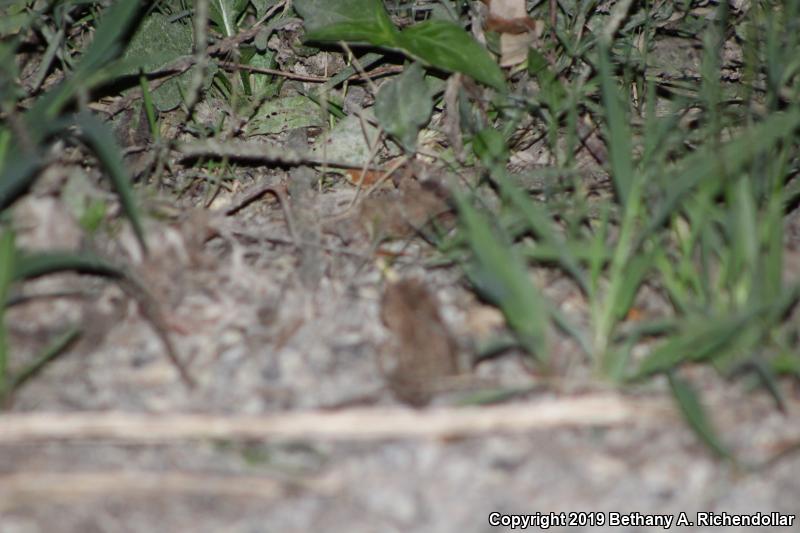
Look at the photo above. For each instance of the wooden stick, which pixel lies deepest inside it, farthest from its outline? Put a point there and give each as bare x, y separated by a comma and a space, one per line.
229, 65
267, 152
367, 424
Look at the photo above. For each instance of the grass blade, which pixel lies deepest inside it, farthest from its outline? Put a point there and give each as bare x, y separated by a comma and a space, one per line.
502, 277
40, 264
701, 338
702, 165
56, 348
540, 223
618, 131
695, 414
17, 177
107, 45
101, 139
30, 266
7, 260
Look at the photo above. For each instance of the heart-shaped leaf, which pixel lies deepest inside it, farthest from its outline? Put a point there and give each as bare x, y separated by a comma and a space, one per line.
157, 43
348, 142
286, 113
439, 43
447, 46
347, 20
404, 106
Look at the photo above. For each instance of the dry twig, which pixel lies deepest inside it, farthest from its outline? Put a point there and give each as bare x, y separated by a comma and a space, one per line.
228, 65
19, 488
368, 424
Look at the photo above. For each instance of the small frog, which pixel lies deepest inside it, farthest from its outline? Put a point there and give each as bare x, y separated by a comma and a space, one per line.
421, 354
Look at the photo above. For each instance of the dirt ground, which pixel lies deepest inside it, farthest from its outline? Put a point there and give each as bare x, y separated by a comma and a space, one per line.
331, 377
263, 337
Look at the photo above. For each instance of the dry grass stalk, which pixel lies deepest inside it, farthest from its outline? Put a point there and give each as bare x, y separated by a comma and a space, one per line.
367, 424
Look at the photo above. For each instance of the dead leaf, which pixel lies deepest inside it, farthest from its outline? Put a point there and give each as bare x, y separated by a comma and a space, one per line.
370, 177
517, 30
508, 16
514, 48
365, 179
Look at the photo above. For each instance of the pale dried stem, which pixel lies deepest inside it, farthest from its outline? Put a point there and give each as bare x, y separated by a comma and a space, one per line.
32, 487
367, 424
228, 65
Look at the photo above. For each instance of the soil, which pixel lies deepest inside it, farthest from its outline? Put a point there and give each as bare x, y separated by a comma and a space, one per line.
262, 337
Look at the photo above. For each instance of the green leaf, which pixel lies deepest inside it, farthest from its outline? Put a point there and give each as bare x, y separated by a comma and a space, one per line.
14, 17
490, 147
361, 21
8, 257
157, 43
501, 276
700, 339
695, 414
347, 142
635, 272
403, 106
766, 374
552, 92
110, 37
101, 139
262, 85
47, 356
282, 114
17, 177
704, 165
618, 132
93, 215
447, 46
439, 43
225, 14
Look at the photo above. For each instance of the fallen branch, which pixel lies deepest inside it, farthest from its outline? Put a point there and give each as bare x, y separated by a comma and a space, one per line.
368, 424
260, 152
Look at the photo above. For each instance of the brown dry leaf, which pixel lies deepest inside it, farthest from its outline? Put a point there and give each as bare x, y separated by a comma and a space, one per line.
365, 179
396, 168
517, 30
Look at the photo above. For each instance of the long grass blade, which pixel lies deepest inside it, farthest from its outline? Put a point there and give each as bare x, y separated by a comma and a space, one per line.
695, 414
618, 131
702, 165
108, 43
501, 276
17, 177
48, 355
7, 259
101, 139
29, 265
